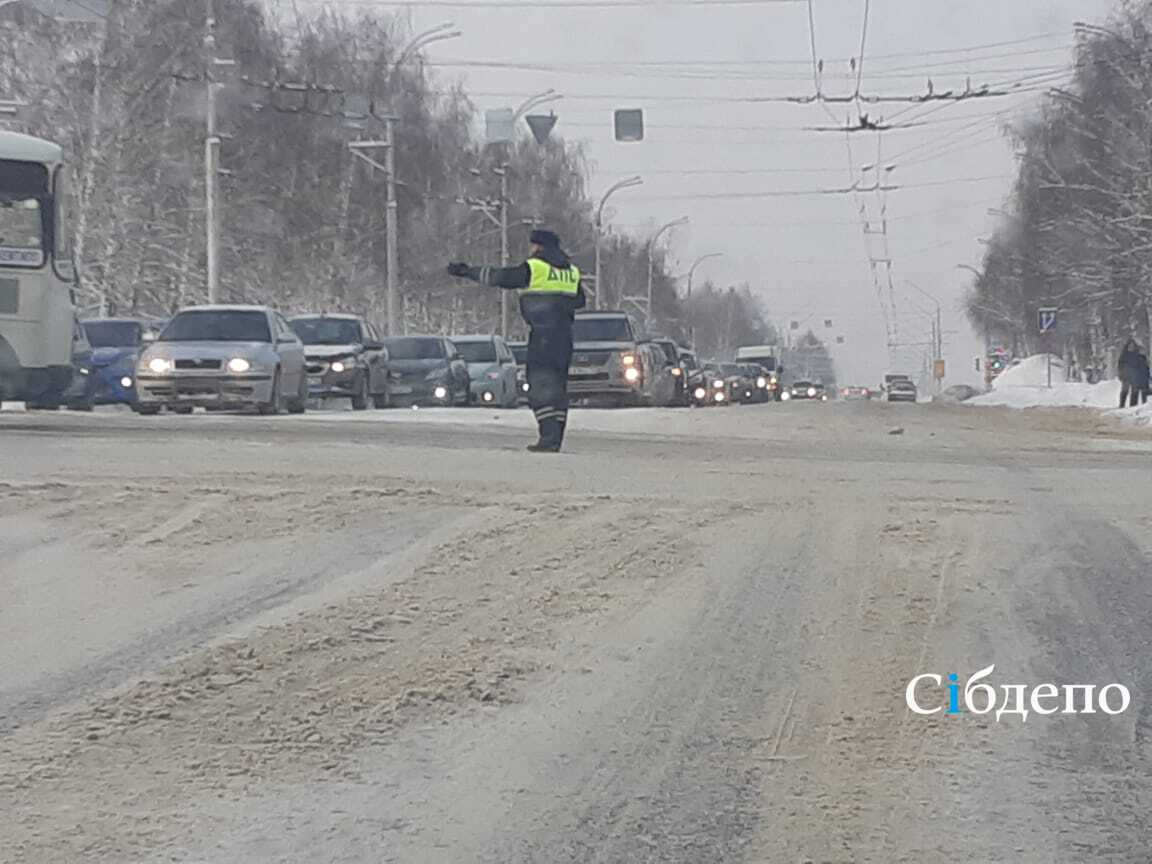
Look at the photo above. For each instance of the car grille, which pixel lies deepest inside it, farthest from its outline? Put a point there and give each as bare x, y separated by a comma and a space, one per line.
591, 358
592, 376
198, 364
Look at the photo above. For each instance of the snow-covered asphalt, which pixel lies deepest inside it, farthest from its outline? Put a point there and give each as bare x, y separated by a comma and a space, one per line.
397, 637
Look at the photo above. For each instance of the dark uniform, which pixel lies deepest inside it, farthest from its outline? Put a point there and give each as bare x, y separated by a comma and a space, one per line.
550, 293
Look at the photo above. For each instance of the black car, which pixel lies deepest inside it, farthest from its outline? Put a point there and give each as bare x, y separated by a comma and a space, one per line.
714, 388
804, 390
344, 358
741, 381
426, 370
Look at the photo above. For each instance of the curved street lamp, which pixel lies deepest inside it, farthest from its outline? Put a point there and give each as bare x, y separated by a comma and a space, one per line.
688, 298
598, 225
667, 226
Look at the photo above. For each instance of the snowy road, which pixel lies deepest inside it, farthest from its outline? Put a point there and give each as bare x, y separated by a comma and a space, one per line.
396, 637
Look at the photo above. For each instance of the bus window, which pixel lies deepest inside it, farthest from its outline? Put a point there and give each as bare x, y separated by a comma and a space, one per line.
62, 236
23, 190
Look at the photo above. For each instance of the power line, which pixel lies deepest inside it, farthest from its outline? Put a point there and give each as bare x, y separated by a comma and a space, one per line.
563, 4
792, 193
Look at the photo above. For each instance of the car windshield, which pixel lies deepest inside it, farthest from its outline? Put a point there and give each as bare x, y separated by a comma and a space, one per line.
218, 325
477, 352
113, 334
803, 385
602, 330
327, 331
414, 348
669, 351
731, 369
520, 352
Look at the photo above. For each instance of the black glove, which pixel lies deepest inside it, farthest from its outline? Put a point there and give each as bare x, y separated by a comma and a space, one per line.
459, 268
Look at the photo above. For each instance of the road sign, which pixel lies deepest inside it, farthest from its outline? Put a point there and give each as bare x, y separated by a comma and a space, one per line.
500, 125
938, 370
1046, 319
541, 126
629, 124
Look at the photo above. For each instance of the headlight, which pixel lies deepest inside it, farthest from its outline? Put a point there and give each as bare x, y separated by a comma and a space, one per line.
238, 364
159, 365
785, 396
493, 376
487, 397
677, 372
126, 381
440, 392
524, 386
700, 393
718, 384
761, 382
338, 366
628, 359
719, 397
775, 381
811, 392
631, 374
83, 370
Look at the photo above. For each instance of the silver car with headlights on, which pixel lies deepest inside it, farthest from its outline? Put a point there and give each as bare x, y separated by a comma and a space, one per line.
223, 357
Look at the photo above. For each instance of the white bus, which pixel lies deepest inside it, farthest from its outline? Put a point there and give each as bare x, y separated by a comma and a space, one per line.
37, 275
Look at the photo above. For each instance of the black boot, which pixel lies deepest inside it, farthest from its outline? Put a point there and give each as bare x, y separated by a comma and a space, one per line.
551, 435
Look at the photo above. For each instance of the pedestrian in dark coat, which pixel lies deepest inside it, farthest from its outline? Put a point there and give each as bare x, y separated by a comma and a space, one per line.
1133, 372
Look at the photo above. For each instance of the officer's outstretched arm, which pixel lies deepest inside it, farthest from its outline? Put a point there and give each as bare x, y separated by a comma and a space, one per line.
496, 277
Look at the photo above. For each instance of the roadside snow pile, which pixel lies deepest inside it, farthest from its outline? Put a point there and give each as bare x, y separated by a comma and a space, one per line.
1025, 385
1140, 416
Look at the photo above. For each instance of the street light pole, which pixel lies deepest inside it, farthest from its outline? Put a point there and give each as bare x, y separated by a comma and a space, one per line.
598, 224
688, 298
651, 247
211, 156
502, 173
421, 40
938, 330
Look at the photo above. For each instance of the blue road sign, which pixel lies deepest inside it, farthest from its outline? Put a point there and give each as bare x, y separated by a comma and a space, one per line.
1046, 319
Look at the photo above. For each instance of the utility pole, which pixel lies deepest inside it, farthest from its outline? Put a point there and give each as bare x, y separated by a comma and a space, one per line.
211, 158
502, 172
391, 228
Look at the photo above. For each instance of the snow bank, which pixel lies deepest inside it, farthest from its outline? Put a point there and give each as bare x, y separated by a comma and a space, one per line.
1031, 372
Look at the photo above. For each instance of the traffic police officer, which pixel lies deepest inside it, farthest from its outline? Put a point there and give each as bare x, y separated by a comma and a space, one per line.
550, 293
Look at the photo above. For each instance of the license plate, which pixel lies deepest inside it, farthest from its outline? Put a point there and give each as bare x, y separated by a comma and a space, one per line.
401, 391
581, 370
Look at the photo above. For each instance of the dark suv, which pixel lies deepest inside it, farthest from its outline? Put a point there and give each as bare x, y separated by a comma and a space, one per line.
611, 361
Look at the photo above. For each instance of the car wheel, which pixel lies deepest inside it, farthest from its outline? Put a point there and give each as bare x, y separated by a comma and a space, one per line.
360, 394
298, 404
181, 409
272, 406
146, 410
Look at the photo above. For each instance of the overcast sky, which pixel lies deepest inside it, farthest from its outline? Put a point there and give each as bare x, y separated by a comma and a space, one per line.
806, 253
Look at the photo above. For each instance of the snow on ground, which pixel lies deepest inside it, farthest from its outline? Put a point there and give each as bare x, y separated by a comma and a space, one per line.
1025, 385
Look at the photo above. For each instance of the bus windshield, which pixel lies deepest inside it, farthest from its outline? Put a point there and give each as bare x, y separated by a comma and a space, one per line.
23, 193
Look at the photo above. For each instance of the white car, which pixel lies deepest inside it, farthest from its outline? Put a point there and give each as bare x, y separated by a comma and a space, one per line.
221, 357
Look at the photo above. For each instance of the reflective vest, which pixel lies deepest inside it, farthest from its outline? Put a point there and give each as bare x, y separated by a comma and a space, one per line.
547, 279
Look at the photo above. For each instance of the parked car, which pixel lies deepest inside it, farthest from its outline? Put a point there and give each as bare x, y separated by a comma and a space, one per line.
116, 343
854, 393
344, 358
520, 352
492, 369
613, 363
221, 357
804, 390
714, 388
902, 391
426, 370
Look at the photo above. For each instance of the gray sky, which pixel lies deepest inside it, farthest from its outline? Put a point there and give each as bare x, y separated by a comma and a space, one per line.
804, 253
